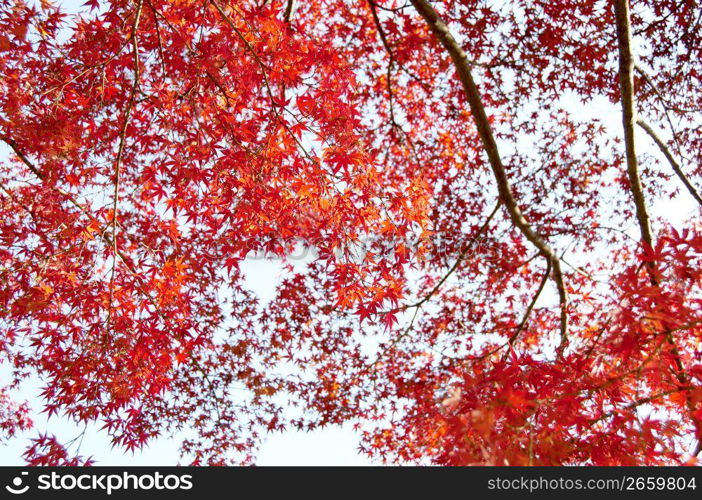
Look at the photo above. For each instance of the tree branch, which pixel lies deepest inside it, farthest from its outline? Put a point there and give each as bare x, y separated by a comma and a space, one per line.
13, 145
626, 80
666, 105
527, 313
460, 259
290, 10
463, 68
120, 150
671, 159
264, 75
381, 32
641, 401
626, 83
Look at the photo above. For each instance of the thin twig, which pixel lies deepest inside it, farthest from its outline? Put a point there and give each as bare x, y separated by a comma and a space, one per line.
461, 258
527, 313
120, 150
671, 159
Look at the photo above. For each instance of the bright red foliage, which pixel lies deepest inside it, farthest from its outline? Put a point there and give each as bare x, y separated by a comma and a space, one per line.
494, 282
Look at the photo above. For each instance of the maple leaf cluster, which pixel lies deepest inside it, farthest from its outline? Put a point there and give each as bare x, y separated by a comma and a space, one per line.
495, 277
